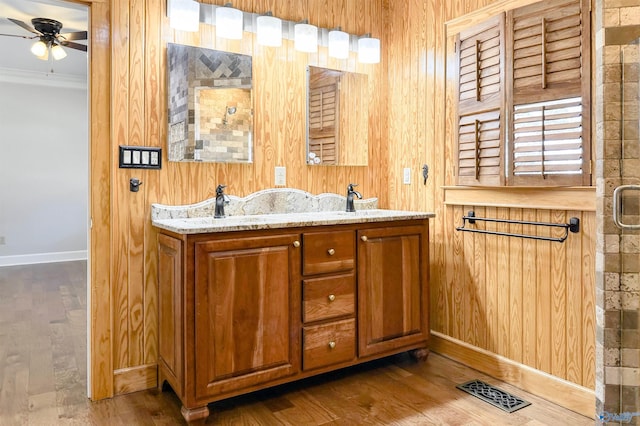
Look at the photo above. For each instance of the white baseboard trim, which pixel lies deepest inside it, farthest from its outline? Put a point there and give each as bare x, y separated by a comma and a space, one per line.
29, 259
559, 391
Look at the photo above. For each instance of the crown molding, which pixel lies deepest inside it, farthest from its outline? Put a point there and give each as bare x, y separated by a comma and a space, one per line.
12, 75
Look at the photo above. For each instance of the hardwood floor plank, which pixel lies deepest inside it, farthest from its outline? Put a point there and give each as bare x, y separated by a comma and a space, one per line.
43, 377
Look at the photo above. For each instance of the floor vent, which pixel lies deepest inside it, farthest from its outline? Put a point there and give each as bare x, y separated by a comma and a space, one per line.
494, 396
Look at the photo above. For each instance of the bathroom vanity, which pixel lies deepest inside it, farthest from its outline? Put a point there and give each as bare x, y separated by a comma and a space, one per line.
249, 302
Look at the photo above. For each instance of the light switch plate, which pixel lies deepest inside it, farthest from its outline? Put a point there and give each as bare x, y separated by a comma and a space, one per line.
140, 157
406, 176
281, 176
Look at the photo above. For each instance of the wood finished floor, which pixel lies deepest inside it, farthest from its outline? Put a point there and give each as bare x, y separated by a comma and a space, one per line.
43, 377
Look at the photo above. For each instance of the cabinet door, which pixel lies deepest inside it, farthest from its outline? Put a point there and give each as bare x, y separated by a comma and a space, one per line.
392, 289
247, 309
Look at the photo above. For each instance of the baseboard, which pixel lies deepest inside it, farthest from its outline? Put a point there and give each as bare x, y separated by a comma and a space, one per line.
135, 379
29, 259
559, 391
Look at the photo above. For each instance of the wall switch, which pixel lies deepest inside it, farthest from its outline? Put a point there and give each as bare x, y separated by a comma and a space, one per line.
2, 241
406, 176
281, 176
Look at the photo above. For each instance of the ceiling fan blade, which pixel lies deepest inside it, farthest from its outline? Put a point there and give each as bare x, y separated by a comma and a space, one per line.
19, 36
73, 45
78, 35
25, 26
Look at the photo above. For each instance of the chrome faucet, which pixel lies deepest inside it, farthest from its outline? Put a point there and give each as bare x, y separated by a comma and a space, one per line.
221, 200
350, 194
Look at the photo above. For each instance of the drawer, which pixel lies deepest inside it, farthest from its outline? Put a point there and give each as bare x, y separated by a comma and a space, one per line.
328, 344
330, 251
328, 297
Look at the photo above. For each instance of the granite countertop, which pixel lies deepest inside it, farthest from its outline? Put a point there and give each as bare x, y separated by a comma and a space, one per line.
201, 225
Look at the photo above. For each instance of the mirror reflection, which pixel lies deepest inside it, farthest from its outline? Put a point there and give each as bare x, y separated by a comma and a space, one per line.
337, 117
210, 105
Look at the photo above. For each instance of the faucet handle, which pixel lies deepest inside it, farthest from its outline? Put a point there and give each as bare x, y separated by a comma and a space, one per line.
220, 189
351, 186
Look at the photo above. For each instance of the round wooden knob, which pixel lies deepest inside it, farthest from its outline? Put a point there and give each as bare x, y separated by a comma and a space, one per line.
331, 252
332, 297
364, 238
296, 243
332, 344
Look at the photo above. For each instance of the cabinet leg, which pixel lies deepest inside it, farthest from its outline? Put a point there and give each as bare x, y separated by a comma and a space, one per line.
193, 414
420, 354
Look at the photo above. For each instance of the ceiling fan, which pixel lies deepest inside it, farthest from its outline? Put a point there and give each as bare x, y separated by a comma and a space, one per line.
47, 31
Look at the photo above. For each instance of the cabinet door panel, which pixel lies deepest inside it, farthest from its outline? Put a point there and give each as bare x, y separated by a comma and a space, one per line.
392, 288
243, 297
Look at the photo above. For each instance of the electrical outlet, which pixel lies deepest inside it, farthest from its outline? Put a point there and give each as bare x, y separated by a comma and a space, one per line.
281, 176
407, 176
2, 241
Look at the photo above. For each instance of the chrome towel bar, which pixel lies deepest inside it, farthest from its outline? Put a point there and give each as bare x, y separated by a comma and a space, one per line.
573, 226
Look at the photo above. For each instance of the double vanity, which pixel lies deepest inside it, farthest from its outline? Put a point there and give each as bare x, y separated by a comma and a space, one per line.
286, 286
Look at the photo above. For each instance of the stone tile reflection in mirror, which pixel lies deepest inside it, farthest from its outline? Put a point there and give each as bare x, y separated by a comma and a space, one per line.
337, 117
210, 105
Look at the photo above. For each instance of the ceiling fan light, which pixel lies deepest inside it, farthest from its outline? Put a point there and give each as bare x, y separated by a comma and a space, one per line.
58, 52
39, 48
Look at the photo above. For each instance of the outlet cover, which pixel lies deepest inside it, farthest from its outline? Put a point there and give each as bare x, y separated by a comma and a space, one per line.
281, 176
406, 176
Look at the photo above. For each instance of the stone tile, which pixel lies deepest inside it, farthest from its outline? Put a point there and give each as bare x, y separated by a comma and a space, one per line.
612, 319
611, 18
630, 282
612, 281
630, 15
630, 243
630, 357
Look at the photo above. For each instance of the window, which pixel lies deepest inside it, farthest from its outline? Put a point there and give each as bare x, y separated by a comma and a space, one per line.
528, 68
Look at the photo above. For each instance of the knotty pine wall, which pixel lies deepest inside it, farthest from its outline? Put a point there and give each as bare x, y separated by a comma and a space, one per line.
408, 125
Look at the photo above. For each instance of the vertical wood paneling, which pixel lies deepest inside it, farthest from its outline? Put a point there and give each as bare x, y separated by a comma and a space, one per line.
506, 295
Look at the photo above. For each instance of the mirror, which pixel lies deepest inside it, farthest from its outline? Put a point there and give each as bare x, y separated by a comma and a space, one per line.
337, 117
210, 105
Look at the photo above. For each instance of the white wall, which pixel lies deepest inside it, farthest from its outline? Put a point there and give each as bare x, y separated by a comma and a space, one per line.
44, 161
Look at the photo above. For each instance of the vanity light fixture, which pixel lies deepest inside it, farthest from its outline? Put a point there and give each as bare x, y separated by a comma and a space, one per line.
368, 49
338, 44
269, 30
305, 37
184, 15
229, 22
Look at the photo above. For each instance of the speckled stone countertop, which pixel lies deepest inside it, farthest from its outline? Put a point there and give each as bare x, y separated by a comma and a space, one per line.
199, 225
273, 209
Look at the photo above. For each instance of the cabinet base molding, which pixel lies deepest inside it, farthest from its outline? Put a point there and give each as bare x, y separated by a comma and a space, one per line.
559, 391
134, 379
191, 415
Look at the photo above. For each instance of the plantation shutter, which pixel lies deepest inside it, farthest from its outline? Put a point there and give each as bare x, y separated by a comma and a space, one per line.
480, 103
323, 118
549, 114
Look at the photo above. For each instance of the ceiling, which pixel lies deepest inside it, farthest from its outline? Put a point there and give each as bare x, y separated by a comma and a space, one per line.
14, 51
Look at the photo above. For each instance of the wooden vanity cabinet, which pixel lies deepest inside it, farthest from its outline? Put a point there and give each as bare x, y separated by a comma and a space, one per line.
241, 311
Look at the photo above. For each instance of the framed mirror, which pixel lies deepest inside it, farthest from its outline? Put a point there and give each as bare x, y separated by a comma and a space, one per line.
337, 117
210, 105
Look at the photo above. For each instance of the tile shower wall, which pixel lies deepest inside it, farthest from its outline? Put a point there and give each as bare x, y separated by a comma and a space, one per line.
618, 254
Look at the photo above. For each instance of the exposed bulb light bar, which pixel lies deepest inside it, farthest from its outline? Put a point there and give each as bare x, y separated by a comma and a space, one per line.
269, 30
184, 15
368, 50
229, 22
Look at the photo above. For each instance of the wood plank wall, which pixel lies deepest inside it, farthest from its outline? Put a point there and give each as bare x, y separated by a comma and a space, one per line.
407, 128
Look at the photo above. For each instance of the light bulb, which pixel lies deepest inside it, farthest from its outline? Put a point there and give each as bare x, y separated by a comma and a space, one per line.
39, 48
338, 44
269, 30
368, 50
184, 15
306, 38
58, 52
229, 23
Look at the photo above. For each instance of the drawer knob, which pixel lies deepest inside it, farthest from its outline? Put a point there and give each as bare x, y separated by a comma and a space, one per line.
296, 243
331, 252
332, 345
332, 297
364, 238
